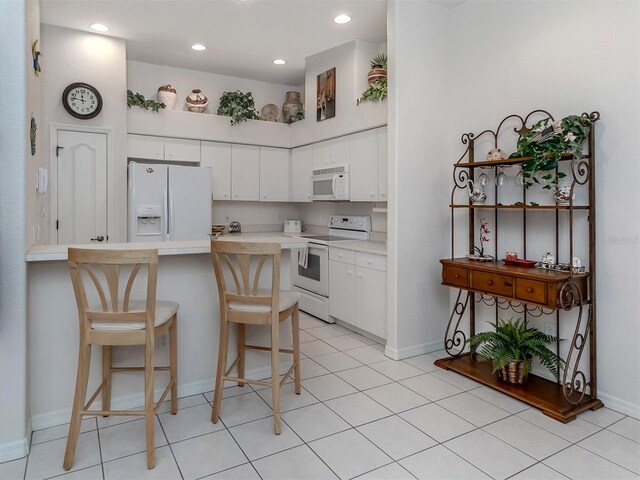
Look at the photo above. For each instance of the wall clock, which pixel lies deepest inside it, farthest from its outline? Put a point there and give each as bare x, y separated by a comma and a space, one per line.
82, 100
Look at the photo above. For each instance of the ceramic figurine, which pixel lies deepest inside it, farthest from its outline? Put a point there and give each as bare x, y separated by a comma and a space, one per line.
548, 260
495, 154
476, 193
576, 263
167, 95
197, 101
563, 192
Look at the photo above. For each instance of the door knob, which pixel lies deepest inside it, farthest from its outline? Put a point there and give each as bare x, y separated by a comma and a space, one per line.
99, 238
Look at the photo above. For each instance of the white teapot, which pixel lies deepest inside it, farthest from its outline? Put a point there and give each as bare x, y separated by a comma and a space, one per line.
476, 193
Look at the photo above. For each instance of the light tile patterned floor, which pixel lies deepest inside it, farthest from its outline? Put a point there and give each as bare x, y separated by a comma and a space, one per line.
359, 415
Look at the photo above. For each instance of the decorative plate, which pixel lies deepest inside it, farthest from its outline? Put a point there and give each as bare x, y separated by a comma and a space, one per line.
520, 262
478, 258
270, 112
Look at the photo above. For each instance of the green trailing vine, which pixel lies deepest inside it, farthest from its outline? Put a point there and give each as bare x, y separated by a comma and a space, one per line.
296, 118
376, 91
512, 341
546, 143
138, 100
239, 106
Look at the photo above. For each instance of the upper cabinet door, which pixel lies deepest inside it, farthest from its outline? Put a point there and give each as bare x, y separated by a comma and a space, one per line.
275, 171
331, 153
145, 147
301, 166
181, 150
218, 157
321, 154
245, 172
363, 166
383, 166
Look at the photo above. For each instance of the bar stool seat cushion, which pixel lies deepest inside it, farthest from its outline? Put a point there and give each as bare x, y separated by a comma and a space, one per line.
164, 311
287, 300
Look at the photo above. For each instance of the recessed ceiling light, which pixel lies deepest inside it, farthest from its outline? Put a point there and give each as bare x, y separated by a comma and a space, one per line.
99, 27
198, 47
279, 61
342, 19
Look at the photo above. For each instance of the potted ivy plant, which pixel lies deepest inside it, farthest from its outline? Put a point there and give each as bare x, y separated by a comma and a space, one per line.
377, 80
510, 348
239, 106
138, 100
545, 144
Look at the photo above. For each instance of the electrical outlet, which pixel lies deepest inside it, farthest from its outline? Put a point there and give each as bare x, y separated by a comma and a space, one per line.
550, 329
162, 341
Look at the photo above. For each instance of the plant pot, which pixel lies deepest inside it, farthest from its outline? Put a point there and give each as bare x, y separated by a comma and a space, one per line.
514, 372
167, 95
292, 106
376, 74
197, 101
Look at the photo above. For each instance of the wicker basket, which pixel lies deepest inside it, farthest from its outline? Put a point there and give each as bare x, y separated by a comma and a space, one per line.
514, 372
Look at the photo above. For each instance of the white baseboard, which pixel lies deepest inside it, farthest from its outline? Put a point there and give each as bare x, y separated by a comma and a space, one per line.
412, 350
619, 405
17, 448
61, 417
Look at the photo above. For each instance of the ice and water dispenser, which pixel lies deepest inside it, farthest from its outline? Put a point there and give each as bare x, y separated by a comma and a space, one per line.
149, 220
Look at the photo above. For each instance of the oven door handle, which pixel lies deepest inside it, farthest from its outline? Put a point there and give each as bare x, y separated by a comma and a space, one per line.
318, 246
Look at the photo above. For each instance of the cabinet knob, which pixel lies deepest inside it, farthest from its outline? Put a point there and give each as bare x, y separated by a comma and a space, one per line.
340, 255
359, 275
383, 194
457, 275
236, 195
372, 194
489, 282
530, 290
309, 196
348, 272
226, 194
264, 196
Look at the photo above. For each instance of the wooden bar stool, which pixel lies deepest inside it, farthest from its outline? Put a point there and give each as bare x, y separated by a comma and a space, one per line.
113, 322
250, 305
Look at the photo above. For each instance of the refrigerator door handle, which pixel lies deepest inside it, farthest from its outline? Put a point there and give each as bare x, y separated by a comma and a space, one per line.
171, 215
165, 217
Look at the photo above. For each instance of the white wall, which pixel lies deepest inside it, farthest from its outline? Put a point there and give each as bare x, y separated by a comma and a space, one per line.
568, 57
317, 214
255, 216
419, 169
146, 78
74, 56
18, 27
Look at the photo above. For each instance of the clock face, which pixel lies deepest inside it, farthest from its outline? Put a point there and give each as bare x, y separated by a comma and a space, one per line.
82, 100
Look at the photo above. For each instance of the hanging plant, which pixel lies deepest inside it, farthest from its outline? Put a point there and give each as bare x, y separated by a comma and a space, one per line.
239, 106
545, 144
138, 100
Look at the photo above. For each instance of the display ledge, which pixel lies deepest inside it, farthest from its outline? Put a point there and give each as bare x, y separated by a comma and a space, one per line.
46, 253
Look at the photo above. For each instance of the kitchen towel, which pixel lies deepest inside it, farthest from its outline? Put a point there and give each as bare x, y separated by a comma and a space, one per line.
303, 256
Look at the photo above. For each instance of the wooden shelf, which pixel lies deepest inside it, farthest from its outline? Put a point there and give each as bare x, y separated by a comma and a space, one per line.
505, 162
523, 207
537, 392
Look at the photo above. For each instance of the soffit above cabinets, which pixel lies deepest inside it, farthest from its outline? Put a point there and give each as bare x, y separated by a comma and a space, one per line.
242, 38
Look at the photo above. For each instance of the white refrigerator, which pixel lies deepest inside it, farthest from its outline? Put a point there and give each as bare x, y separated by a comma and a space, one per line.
168, 202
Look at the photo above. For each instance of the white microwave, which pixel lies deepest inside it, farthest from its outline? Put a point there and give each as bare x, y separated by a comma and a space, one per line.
331, 183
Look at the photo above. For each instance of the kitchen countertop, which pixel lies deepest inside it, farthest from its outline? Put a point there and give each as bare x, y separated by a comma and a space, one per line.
43, 253
367, 246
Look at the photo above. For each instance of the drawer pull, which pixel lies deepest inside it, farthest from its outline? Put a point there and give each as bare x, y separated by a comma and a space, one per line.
530, 290
508, 284
489, 282
457, 275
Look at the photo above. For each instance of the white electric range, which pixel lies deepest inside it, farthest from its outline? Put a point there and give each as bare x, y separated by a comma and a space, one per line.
312, 283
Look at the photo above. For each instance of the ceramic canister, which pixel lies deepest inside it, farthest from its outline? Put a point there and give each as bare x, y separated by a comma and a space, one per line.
167, 95
292, 106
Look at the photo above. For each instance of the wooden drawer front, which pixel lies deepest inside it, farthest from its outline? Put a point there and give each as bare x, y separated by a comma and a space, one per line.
342, 255
370, 260
531, 290
455, 276
492, 283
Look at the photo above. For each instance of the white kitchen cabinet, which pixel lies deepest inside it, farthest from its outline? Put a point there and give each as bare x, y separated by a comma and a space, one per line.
181, 150
218, 156
358, 289
363, 166
245, 172
342, 291
301, 167
275, 172
383, 169
331, 153
145, 147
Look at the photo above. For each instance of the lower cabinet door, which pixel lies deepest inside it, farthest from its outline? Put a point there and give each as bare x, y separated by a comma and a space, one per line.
342, 291
371, 301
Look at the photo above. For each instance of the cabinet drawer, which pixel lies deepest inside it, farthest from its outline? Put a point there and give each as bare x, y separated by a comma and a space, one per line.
531, 290
370, 260
455, 276
492, 283
342, 255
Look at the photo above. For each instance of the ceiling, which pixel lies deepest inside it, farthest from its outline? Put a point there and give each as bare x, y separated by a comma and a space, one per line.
242, 37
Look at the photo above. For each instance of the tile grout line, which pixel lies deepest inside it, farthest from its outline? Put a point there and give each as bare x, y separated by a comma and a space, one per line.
173, 455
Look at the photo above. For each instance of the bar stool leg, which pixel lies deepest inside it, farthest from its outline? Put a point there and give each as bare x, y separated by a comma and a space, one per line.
295, 333
148, 399
241, 350
106, 377
82, 380
275, 373
222, 366
173, 364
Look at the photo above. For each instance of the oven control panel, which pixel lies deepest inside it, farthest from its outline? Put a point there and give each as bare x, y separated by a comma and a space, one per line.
350, 222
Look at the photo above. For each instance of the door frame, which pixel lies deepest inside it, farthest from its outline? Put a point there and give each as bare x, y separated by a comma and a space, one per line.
53, 169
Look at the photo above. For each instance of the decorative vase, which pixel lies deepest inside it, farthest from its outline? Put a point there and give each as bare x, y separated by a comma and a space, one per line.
197, 101
513, 372
292, 106
476, 193
563, 194
167, 95
376, 74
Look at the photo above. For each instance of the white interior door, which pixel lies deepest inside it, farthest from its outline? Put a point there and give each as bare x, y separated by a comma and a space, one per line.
81, 188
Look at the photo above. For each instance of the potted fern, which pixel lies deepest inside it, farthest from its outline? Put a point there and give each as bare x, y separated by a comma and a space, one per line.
510, 348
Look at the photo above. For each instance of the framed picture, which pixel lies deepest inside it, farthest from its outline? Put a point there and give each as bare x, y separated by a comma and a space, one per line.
326, 94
